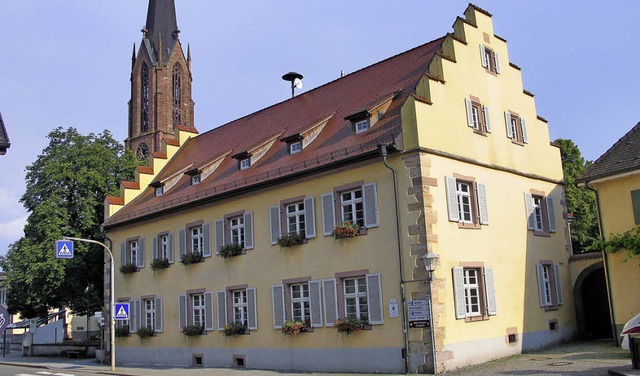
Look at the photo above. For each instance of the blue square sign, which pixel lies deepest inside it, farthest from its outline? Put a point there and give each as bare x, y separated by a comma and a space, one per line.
122, 311
64, 249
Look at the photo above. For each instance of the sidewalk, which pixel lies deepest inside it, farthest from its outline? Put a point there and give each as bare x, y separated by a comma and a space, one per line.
581, 358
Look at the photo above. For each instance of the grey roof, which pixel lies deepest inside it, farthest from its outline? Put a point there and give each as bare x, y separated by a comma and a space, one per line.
4, 137
623, 156
161, 24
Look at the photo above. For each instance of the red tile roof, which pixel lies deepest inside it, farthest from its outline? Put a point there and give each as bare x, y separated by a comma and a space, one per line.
337, 142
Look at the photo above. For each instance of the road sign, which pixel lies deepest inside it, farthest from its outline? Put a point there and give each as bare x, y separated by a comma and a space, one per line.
122, 311
4, 319
64, 249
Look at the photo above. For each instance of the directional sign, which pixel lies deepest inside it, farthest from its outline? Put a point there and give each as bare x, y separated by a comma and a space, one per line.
64, 249
122, 311
418, 312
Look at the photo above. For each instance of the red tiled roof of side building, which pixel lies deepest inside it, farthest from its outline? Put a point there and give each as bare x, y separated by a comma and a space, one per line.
145, 169
130, 184
342, 97
113, 200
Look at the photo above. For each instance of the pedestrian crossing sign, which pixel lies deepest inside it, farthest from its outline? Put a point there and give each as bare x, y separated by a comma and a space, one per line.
122, 311
64, 249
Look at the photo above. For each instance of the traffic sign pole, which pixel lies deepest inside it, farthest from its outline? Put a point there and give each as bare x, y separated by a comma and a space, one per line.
111, 294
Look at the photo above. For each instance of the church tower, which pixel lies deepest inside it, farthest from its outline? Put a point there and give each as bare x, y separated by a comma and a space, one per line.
160, 82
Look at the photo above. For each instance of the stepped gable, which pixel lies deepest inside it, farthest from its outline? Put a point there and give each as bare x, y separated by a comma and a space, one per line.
623, 156
337, 141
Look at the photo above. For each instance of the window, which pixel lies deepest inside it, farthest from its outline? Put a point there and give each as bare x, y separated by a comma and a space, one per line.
516, 127
635, 203
300, 304
177, 95
298, 216
355, 202
196, 308
245, 163
145, 312
295, 147
466, 201
474, 292
540, 213
195, 237
362, 126
195, 179
132, 252
549, 285
163, 246
237, 304
144, 98
477, 115
297, 299
295, 217
3, 296
159, 191
234, 228
490, 59
353, 294
149, 313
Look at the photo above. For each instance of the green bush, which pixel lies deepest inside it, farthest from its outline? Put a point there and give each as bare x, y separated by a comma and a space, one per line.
128, 268
291, 239
191, 258
230, 250
145, 332
193, 330
159, 264
234, 328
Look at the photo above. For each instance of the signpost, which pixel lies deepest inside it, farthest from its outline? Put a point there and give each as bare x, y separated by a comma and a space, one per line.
122, 311
64, 249
418, 312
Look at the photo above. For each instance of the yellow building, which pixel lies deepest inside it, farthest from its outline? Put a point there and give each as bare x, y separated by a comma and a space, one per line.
615, 177
435, 158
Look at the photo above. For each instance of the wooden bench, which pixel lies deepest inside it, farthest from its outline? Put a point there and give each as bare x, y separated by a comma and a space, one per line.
76, 353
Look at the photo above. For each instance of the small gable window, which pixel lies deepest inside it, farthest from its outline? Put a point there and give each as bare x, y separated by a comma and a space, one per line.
295, 147
490, 60
245, 163
362, 126
159, 191
195, 179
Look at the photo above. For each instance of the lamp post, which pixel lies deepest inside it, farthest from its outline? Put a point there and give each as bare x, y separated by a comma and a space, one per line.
111, 292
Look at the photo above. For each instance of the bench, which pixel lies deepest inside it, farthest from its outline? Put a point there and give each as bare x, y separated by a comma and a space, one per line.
76, 353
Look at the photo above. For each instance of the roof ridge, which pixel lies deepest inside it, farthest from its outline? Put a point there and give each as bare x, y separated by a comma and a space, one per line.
621, 140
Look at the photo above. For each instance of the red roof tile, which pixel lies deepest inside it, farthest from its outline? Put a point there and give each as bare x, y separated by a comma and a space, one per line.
130, 185
145, 170
337, 141
112, 200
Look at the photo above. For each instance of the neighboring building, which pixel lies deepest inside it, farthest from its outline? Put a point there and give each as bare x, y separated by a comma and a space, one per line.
435, 151
4, 138
615, 177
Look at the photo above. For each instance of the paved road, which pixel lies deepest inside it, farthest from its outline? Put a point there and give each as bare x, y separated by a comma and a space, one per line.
7, 370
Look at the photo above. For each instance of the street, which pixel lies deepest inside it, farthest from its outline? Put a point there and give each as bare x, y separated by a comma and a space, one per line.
10, 370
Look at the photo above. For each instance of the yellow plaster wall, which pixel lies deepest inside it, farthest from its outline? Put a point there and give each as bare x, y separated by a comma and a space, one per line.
266, 265
617, 217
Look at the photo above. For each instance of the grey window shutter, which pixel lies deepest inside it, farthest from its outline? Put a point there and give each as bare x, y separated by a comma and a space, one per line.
141, 253
154, 248
469, 108
315, 304
208, 311
523, 127
528, 205
182, 311
328, 214
274, 224
170, 253
635, 203
541, 293
219, 234
370, 198
551, 213
483, 57
556, 276
158, 327
222, 309
248, 230
330, 301
374, 299
123, 253
206, 232
252, 308
482, 204
134, 316
458, 292
182, 243
277, 297
490, 289
487, 121
507, 122
452, 199
310, 218
496, 61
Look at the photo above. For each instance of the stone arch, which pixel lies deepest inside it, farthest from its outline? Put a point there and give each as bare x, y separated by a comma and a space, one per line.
592, 309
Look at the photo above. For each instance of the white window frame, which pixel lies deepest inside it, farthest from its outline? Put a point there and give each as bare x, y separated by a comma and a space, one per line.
465, 201
150, 313
358, 298
134, 251
362, 126
295, 217
197, 239
472, 291
236, 229
164, 246
295, 147
198, 309
538, 213
303, 301
546, 284
240, 306
352, 203
245, 163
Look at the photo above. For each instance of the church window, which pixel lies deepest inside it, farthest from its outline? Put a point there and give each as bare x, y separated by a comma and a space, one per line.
142, 152
177, 95
144, 98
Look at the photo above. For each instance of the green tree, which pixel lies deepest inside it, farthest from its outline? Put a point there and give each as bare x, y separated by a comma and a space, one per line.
581, 203
66, 188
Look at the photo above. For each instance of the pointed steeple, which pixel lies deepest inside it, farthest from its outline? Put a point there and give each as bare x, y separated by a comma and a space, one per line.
162, 26
133, 56
189, 57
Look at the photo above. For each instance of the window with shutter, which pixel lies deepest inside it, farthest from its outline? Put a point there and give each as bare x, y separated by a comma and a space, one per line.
477, 116
490, 60
635, 203
222, 308
549, 285
540, 212
328, 214
277, 299
466, 201
359, 296
330, 301
516, 128
474, 292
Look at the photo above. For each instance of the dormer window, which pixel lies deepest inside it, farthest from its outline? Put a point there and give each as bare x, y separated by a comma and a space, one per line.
195, 179
159, 191
362, 126
295, 147
245, 163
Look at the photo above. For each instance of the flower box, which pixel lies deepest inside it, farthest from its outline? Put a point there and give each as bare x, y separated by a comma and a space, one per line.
193, 330
291, 239
159, 264
128, 268
345, 230
351, 325
235, 328
122, 331
293, 328
191, 258
145, 332
230, 250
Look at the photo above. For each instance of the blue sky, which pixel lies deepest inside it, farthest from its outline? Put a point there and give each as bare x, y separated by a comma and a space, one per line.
67, 63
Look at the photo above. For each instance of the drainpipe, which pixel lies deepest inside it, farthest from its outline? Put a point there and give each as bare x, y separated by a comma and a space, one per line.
605, 259
383, 152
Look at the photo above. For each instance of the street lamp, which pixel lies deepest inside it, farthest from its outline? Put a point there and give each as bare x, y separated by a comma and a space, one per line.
429, 263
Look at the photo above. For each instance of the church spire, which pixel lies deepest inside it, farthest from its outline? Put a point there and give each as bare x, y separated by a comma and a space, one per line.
162, 27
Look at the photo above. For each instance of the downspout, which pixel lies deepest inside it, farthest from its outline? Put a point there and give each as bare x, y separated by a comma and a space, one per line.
605, 259
383, 152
